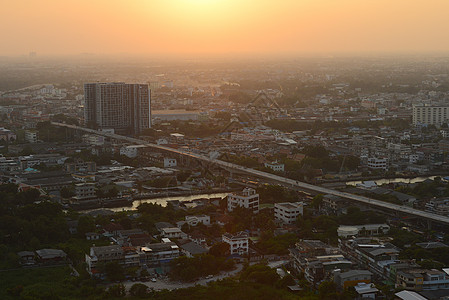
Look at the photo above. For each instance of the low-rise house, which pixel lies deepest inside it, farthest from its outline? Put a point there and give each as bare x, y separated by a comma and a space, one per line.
131, 256
139, 239
7, 135
378, 163
238, 243
287, 212
403, 198
161, 225
190, 249
275, 166
159, 254
351, 278
248, 198
173, 232
27, 258
319, 268
51, 256
363, 230
197, 237
112, 229
31, 136
367, 185
131, 151
438, 206
195, 220
422, 279
92, 236
344, 231
103, 254
317, 260
169, 162
432, 245
84, 191
80, 166
366, 291
335, 205
408, 295
376, 257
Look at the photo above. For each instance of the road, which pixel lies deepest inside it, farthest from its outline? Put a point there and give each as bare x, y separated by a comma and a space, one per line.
282, 180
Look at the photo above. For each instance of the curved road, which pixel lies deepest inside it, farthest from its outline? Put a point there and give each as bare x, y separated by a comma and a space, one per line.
282, 180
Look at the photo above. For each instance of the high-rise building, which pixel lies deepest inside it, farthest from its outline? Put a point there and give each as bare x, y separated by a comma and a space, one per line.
126, 108
430, 115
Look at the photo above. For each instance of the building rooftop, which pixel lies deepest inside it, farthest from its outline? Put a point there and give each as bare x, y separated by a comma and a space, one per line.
432, 245
352, 273
238, 235
289, 205
50, 253
157, 247
193, 248
409, 295
106, 249
171, 230
365, 288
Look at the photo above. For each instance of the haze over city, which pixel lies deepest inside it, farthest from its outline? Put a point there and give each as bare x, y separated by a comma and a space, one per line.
224, 149
180, 27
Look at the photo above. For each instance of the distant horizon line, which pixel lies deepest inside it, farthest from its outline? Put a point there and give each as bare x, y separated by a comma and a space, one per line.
254, 54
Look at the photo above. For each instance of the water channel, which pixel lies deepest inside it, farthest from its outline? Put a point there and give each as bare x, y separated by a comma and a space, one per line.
163, 201
395, 180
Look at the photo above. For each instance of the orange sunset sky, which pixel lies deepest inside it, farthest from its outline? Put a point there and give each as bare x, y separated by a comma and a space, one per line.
222, 26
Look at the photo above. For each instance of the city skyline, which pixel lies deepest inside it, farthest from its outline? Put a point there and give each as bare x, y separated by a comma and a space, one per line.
183, 27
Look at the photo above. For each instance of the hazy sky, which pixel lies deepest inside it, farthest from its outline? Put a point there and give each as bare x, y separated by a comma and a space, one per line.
222, 26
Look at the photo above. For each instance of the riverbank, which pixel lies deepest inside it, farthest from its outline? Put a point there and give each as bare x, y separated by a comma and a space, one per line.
162, 200
101, 203
182, 193
405, 179
391, 177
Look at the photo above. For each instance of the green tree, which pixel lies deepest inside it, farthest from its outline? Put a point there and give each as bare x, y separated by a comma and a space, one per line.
85, 224
117, 291
67, 192
114, 271
327, 290
220, 249
317, 200
260, 274
139, 290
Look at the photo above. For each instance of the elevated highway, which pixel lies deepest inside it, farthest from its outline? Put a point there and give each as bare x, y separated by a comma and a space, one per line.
282, 180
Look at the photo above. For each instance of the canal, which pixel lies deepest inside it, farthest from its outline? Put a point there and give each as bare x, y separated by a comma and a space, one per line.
162, 201
394, 180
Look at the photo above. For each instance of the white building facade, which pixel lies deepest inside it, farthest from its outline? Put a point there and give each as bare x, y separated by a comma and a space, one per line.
275, 166
378, 163
248, 198
287, 212
84, 191
195, 220
238, 243
170, 162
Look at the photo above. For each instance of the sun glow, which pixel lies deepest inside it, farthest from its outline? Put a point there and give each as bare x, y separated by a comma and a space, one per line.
222, 26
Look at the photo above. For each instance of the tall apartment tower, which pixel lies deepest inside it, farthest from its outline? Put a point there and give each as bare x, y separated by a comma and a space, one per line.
430, 115
126, 108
